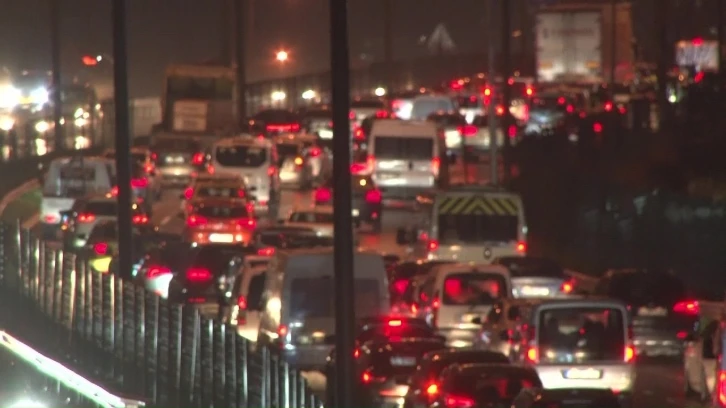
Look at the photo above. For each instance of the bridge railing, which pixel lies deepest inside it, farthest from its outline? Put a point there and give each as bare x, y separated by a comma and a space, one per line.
168, 353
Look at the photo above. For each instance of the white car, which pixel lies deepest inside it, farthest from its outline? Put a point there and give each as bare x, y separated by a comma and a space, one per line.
319, 219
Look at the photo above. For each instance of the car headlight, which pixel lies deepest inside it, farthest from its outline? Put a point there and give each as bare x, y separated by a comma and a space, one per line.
9, 97
79, 113
39, 96
7, 123
80, 122
42, 126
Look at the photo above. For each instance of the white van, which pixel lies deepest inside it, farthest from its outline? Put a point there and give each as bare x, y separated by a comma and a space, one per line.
298, 303
246, 319
424, 105
457, 296
582, 343
69, 179
255, 160
404, 158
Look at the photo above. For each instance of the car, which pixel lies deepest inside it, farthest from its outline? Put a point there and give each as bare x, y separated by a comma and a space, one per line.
220, 220
566, 398
534, 277
456, 129
367, 201
176, 160
319, 219
214, 186
271, 238
102, 245
275, 121
403, 277
295, 170
504, 327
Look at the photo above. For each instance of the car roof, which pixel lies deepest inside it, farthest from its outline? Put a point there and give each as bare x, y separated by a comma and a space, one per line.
589, 301
220, 201
498, 368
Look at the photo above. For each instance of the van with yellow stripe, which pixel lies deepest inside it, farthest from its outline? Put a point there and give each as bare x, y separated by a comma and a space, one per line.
472, 224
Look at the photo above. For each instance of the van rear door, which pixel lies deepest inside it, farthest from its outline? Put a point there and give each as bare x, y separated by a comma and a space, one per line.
404, 161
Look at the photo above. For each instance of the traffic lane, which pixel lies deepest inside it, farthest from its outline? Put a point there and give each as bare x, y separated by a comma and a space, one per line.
658, 384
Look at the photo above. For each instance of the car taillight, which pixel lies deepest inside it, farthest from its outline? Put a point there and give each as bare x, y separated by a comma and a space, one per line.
358, 134
533, 355
86, 218
323, 195
299, 161
269, 251
358, 168
148, 167
608, 106
629, 354
249, 223
315, 152
395, 323
433, 245
114, 191
369, 378
435, 166
529, 91
139, 183
242, 302
456, 401
100, 248
198, 274
196, 220
374, 196
570, 109
371, 162
156, 271
154, 156
282, 331
567, 287
271, 171
356, 353
432, 390
521, 247
189, 193
211, 169
400, 286
689, 307
500, 110
140, 219
512, 131
467, 130
198, 158
721, 388
351, 115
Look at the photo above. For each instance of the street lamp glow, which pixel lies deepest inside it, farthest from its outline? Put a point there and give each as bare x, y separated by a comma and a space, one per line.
309, 94
278, 96
380, 91
282, 56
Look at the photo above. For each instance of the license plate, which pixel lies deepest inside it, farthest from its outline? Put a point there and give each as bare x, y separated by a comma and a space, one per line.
652, 311
403, 361
582, 374
356, 212
535, 291
222, 238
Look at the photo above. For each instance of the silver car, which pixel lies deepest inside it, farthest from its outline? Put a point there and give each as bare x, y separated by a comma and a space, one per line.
176, 161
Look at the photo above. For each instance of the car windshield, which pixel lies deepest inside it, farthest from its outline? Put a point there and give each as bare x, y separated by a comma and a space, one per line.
241, 156
473, 289
314, 297
587, 333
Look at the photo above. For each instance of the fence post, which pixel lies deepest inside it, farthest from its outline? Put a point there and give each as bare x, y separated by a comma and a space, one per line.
17, 231
219, 365
59, 287
151, 342
285, 384
293, 395
96, 305
68, 294
207, 362
3, 254
48, 282
80, 312
230, 391
108, 312
190, 351
38, 274
175, 354
265, 377
89, 278
162, 352
119, 344
242, 373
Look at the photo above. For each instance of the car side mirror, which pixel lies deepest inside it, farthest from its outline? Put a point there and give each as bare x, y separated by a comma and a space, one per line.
476, 320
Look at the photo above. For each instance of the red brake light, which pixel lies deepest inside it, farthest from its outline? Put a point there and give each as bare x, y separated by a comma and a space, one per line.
533, 355
435, 166
698, 41
381, 114
154, 156
454, 401
432, 390
561, 100
358, 134
100, 248
198, 159
681, 335
356, 353
529, 91
351, 115
242, 303
189, 193
269, 251
371, 162
597, 127
433, 245
249, 223
721, 388
567, 287
521, 247
374, 196
608, 106
357, 168
512, 131
687, 307
195, 221
148, 167
467, 130
570, 108
195, 274
114, 191
156, 270
323, 195
140, 219
282, 330
629, 354
314, 152
86, 218
400, 286
139, 183
241, 193
500, 110
271, 171
368, 378
395, 323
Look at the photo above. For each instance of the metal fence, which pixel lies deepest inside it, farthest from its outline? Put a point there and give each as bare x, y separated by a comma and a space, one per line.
167, 354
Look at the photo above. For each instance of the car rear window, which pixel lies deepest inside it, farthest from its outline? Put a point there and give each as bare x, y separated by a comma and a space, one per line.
492, 386
314, 297
404, 148
176, 145
533, 267
221, 211
216, 258
469, 289
241, 156
400, 359
312, 217
101, 208
591, 333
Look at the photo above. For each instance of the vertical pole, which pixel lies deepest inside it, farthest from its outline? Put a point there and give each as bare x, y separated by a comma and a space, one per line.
225, 33
123, 143
343, 224
720, 34
492, 114
388, 43
240, 51
506, 74
55, 41
613, 41
664, 47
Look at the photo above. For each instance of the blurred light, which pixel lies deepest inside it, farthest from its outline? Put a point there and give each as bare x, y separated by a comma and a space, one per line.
41, 147
597, 127
27, 403
697, 41
42, 126
99, 58
380, 91
89, 60
39, 96
7, 123
282, 56
80, 122
278, 96
309, 94
79, 113
9, 97
81, 142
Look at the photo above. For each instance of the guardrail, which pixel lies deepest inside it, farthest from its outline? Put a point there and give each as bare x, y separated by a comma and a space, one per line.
167, 353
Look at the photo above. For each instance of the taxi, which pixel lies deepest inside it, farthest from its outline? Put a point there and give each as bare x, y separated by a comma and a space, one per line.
220, 220
213, 186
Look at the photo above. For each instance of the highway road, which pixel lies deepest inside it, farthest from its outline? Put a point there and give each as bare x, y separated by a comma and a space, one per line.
660, 383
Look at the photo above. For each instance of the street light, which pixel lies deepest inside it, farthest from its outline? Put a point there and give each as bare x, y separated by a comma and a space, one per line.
282, 56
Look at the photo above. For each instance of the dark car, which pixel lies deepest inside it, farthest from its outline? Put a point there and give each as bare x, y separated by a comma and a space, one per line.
534, 277
663, 312
483, 385
317, 121
424, 388
268, 239
566, 398
367, 200
275, 121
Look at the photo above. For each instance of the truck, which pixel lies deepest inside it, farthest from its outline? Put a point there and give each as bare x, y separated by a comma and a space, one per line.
577, 42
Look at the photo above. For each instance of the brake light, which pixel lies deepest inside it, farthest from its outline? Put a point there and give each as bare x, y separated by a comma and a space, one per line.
139, 183
435, 166
381, 114
249, 223
690, 307
433, 245
681, 335
368, 378
241, 193
400, 286
114, 191
358, 168
532, 355
529, 91
198, 158
371, 162
269, 251
148, 167
271, 171
356, 353
351, 115
290, 127
242, 302
100, 248
512, 131
211, 169
282, 331
567, 287
358, 134
154, 156
455, 401
195, 274
395, 323
488, 92
570, 108
156, 270
521, 247
196, 221
86, 218
374, 196
500, 110
323, 195
608, 106
432, 390
721, 388
561, 100
467, 130
314, 152
140, 219
629, 354
189, 193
